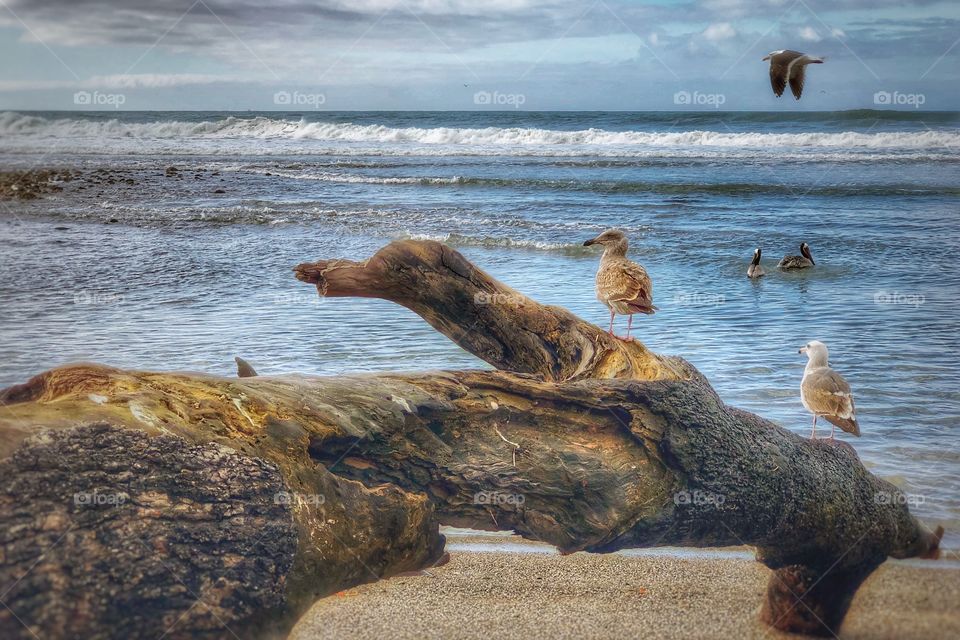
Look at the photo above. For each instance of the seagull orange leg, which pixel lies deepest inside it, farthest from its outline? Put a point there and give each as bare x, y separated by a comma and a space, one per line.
629, 324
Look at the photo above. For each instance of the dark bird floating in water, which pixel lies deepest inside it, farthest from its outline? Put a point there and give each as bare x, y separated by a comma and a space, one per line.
789, 66
803, 261
755, 270
622, 285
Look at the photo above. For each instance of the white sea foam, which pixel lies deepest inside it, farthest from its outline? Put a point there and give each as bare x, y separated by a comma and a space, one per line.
246, 135
462, 240
349, 178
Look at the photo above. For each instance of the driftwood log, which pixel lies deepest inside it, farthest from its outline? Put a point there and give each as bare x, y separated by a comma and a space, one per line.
245, 499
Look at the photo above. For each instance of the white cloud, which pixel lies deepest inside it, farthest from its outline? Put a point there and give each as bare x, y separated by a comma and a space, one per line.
155, 80
810, 34
719, 31
439, 7
119, 81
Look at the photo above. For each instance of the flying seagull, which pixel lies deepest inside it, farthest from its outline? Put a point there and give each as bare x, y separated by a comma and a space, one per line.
788, 66
622, 285
803, 261
825, 393
755, 270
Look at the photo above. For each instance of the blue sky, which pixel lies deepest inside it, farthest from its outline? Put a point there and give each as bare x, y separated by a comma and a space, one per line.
449, 54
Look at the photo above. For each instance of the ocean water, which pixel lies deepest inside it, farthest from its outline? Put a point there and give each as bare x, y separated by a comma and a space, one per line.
139, 269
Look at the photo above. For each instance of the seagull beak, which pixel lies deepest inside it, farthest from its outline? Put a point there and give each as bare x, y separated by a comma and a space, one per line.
802, 350
765, 58
590, 242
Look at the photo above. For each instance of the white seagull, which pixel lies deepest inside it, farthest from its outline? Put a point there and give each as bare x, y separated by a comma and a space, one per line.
825, 393
788, 66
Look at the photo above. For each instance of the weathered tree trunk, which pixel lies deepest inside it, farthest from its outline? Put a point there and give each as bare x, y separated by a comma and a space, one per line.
486, 317
229, 545
596, 445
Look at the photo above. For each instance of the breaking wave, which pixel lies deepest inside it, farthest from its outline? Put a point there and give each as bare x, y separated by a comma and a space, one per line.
27, 127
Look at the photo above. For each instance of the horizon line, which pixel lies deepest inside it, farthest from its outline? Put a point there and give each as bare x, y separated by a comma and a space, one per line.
704, 111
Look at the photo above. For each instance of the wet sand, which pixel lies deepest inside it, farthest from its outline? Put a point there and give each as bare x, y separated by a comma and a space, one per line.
531, 594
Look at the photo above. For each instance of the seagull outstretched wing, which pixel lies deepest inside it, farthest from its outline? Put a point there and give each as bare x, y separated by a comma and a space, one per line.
796, 79
780, 70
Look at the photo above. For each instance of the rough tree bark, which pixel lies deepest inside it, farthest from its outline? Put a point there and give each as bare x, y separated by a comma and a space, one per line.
590, 444
200, 543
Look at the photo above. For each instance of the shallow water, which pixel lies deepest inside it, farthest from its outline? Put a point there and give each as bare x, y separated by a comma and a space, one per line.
187, 278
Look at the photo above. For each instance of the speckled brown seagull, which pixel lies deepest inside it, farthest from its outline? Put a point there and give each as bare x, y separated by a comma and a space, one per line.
789, 66
622, 285
825, 393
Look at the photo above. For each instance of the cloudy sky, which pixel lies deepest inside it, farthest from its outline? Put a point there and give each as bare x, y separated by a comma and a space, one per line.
443, 54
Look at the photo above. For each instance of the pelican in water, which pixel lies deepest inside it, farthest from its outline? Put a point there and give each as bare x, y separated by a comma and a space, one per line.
755, 270
825, 393
622, 285
789, 66
803, 261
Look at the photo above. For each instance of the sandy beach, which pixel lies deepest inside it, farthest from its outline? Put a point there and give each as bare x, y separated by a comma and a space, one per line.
528, 592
